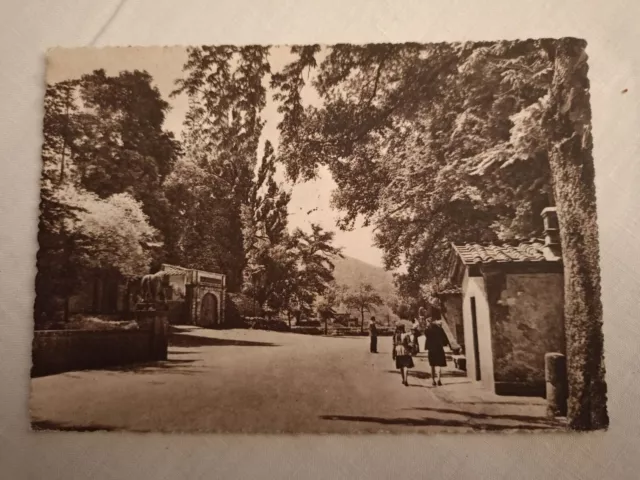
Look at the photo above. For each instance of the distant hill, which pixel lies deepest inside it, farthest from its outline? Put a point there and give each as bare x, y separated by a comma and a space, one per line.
351, 272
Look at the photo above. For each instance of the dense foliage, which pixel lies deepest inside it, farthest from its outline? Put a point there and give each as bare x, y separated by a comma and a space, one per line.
105, 155
411, 134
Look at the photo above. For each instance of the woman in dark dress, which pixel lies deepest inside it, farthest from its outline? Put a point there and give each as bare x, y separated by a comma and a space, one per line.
436, 340
373, 333
402, 353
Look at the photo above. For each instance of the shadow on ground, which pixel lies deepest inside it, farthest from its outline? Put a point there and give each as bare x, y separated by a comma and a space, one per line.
45, 425
173, 366
427, 375
186, 341
485, 402
437, 422
484, 416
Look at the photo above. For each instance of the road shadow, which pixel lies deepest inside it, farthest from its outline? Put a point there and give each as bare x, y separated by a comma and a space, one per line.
427, 375
485, 402
193, 341
46, 425
435, 422
171, 365
485, 416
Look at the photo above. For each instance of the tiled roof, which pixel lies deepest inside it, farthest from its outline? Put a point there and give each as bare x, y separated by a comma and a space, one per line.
532, 251
174, 269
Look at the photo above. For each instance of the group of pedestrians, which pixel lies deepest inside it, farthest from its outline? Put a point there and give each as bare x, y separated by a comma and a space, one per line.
406, 345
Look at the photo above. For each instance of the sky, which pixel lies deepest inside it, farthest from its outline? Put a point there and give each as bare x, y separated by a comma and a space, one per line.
164, 64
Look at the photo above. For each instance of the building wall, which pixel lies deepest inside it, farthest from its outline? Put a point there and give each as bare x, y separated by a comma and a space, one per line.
527, 312
207, 282
452, 310
474, 287
178, 286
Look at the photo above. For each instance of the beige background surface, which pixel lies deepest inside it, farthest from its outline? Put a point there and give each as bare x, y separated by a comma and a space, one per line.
28, 28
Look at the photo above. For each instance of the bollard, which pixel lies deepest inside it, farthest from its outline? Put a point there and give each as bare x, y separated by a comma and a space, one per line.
161, 337
156, 325
555, 366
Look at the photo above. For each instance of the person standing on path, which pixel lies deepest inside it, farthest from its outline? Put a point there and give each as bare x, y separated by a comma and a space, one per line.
422, 320
415, 332
436, 340
402, 353
373, 333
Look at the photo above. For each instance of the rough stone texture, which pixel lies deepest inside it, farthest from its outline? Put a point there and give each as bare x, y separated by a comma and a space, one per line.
568, 124
526, 323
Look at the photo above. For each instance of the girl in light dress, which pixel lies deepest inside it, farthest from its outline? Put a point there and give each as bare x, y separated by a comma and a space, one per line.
402, 349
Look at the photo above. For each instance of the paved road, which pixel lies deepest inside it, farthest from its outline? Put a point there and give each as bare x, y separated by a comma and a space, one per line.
257, 381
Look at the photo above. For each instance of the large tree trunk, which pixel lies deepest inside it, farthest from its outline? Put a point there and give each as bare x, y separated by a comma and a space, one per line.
572, 169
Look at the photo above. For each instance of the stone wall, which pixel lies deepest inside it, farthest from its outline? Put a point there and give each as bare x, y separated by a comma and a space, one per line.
57, 351
527, 321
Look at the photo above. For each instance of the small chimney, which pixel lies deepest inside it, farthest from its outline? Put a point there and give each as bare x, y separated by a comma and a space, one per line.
551, 227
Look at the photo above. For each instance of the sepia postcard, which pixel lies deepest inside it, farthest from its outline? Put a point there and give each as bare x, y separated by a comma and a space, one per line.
319, 239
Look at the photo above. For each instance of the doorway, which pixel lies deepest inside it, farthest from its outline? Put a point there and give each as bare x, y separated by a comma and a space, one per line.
476, 346
208, 311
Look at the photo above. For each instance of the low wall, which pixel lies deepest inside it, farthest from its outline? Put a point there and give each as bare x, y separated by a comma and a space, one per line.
57, 351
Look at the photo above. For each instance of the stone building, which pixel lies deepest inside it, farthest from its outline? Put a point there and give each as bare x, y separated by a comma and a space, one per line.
193, 297
197, 297
512, 298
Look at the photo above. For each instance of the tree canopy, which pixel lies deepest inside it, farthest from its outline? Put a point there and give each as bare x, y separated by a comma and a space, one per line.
363, 299
410, 133
105, 155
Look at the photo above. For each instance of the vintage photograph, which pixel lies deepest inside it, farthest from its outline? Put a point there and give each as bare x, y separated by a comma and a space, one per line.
375, 238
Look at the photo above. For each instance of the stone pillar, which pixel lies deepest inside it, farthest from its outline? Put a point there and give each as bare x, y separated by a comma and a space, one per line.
157, 325
160, 337
555, 367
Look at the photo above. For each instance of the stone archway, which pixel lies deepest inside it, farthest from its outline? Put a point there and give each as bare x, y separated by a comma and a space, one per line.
208, 311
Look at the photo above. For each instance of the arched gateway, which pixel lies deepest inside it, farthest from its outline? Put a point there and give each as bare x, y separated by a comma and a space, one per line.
198, 296
208, 311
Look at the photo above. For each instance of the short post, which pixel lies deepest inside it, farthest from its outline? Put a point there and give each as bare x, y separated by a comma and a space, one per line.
555, 366
160, 337
156, 324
